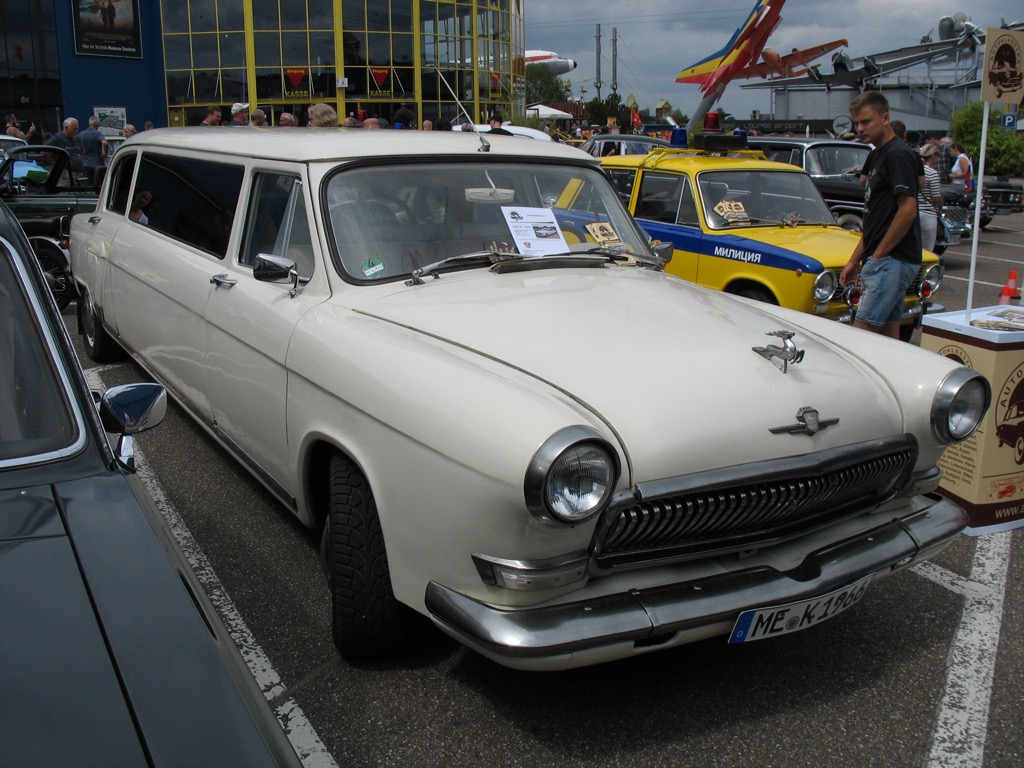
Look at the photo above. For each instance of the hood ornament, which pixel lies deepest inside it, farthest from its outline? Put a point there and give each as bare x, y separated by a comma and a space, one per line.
809, 422
782, 356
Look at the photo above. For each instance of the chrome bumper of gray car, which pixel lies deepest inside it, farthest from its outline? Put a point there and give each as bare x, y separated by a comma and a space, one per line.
643, 615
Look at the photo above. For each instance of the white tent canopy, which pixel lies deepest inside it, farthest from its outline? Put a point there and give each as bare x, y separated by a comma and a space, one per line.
547, 113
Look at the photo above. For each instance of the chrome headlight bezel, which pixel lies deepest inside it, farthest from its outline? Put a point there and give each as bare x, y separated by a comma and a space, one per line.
824, 286
959, 405
554, 464
933, 276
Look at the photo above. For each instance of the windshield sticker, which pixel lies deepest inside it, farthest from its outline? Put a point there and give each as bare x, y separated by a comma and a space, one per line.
535, 231
603, 233
372, 268
732, 211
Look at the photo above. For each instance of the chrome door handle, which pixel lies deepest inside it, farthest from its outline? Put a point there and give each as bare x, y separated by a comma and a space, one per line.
95, 219
223, 280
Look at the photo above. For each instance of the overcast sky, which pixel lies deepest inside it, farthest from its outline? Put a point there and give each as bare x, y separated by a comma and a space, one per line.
658, 38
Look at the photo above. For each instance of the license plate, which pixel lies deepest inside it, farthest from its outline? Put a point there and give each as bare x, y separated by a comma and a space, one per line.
761, 623
953, 240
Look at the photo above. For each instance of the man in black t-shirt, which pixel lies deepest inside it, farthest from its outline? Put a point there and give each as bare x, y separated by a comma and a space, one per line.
888, 255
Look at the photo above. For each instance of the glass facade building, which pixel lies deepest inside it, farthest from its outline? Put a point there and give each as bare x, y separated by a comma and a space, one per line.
167, 61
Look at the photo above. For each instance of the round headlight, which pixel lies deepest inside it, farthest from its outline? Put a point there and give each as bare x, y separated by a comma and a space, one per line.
572, 476
824, 286
933, 276
580, 482
959, 405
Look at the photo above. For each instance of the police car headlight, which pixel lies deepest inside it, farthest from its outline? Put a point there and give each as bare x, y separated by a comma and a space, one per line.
571, 477
959, 405
824, 286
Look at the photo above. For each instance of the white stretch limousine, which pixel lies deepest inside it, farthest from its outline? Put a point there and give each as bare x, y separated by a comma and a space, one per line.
459, 357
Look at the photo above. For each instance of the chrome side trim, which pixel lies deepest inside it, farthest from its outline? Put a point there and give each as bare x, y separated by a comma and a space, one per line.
642, 614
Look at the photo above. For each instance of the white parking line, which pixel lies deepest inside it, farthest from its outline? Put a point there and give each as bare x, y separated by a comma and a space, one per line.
962, 725
300, 731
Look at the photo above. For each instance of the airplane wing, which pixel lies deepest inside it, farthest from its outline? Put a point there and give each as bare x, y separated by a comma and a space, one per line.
787, 65
733, 50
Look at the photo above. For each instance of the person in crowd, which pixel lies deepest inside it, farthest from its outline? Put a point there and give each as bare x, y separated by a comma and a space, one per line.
148, 125
14, 128
929, 199
258, 117
140, 202
287, 119
427, 126
323, 116
496, 120
349, 122
67, 139
128, 131
943, 161
372, 123
888, 254
961, 170
404, 117
212, 116
94, 147
442, 124
239, 114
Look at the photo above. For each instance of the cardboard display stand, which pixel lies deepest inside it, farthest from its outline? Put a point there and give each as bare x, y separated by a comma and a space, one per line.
985, 474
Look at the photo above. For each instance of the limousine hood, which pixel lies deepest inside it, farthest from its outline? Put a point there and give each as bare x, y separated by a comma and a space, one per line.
662, 362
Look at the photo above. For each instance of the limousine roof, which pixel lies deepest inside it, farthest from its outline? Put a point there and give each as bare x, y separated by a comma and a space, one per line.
337, 144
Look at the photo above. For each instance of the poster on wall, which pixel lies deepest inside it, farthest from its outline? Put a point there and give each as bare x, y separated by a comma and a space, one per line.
107, 28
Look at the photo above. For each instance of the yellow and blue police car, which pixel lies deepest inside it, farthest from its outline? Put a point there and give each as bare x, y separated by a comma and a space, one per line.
745, 225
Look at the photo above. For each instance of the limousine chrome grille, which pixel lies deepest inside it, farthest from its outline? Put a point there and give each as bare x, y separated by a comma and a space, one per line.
752, 505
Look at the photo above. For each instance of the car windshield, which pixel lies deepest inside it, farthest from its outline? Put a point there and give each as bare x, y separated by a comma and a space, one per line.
36, 421
836, 159
385, 223
742, 199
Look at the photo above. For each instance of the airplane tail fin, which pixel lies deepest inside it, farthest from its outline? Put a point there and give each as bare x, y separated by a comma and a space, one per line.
703, 69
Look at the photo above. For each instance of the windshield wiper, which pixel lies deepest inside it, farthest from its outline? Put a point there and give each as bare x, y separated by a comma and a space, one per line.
477, 257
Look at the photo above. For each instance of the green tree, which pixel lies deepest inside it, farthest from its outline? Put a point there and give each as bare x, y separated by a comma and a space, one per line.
1004, 152
542, 85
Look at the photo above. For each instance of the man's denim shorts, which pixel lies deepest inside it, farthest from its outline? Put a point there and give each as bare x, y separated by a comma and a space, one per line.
885, 284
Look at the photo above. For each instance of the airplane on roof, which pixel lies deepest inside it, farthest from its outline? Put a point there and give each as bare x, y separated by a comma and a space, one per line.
557, 64
792, 64
864, 71
742, 51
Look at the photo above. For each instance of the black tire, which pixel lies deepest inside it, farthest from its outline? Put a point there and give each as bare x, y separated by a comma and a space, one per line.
907, 332
99, 345
758, 294
56, 273
367, 622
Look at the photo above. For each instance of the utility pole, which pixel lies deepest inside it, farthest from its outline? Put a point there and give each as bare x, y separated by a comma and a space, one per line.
615, 60
597, 80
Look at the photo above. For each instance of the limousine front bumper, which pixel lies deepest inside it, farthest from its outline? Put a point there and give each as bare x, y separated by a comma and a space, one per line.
620, 625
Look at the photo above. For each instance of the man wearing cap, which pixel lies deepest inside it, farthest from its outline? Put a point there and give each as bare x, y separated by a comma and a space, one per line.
239, 115
496, 122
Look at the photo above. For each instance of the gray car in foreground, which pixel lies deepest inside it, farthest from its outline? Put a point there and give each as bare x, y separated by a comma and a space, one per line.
111, 653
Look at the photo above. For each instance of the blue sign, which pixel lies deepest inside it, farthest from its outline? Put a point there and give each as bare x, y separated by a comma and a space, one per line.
1010, 121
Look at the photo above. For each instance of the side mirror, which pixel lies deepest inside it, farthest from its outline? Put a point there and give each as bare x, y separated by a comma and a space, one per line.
128, 410
278, 269
664, 250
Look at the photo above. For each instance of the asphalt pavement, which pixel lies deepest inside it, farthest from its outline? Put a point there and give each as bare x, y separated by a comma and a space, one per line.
927, 670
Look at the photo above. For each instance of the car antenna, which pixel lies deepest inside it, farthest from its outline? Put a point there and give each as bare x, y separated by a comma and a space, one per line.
484, 144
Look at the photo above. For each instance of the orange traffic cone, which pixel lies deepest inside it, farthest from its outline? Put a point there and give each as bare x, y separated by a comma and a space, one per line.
1011, 283
1006, 295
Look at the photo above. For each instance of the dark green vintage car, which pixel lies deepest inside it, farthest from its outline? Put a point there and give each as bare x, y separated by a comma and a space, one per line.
38, 186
